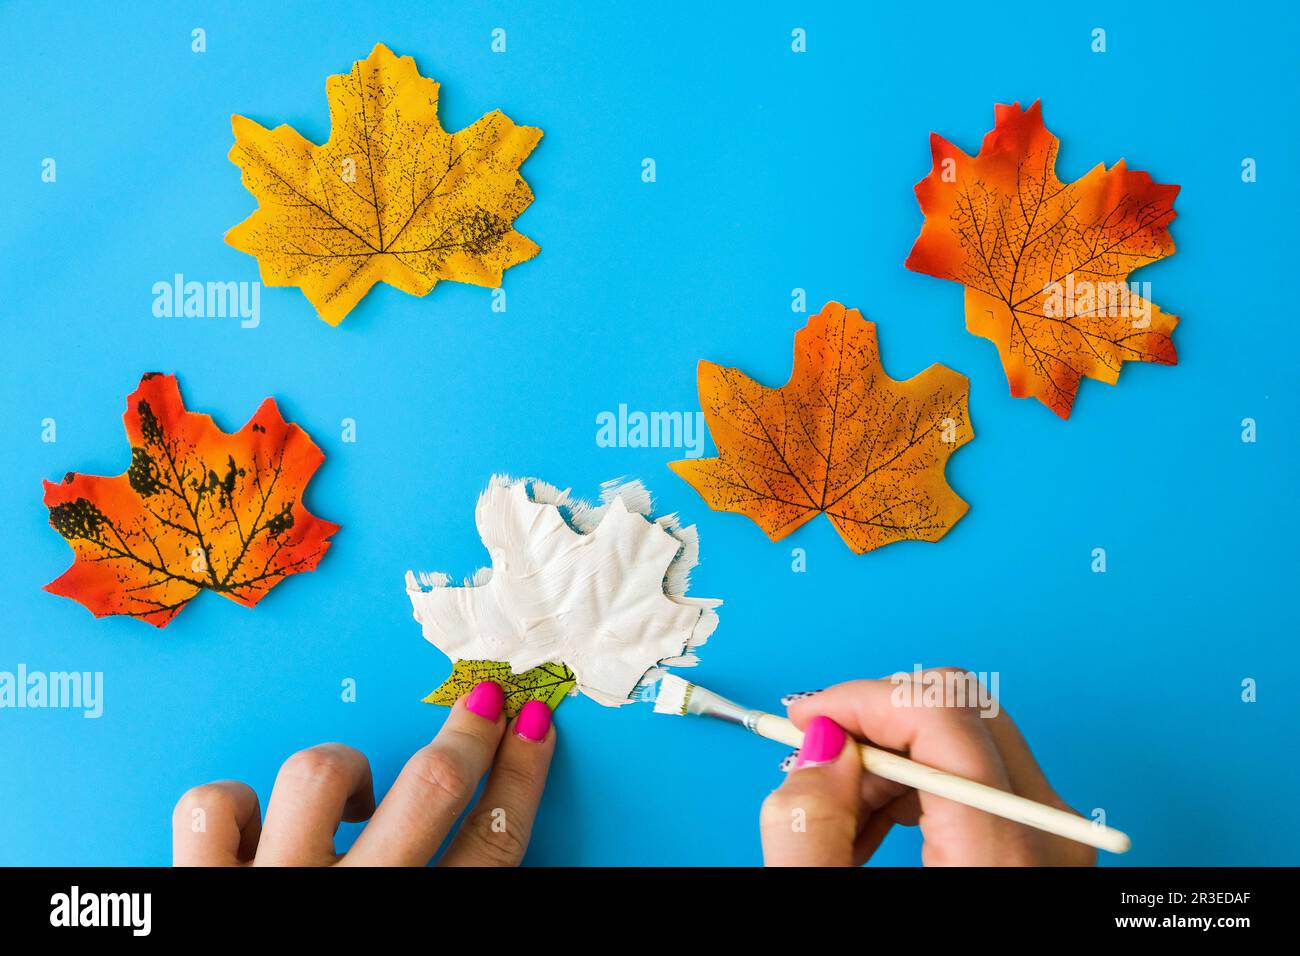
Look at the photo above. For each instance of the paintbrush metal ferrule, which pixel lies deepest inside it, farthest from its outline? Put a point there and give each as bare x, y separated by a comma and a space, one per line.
706, 703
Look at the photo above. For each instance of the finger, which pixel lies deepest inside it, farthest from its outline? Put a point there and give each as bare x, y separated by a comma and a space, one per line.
497, 830
878, 792
435, 786
873, 834
950, 738
904, 810
314, 790
217, 824
1028, 780
812, 818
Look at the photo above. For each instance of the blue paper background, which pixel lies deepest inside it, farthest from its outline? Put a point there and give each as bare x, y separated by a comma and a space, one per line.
775, 171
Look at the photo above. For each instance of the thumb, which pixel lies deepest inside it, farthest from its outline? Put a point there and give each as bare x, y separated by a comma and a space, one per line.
812, 819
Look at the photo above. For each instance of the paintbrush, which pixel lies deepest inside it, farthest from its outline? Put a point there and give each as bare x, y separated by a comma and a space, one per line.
677, 696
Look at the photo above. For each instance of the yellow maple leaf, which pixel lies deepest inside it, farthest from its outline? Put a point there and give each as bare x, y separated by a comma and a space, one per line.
390, 197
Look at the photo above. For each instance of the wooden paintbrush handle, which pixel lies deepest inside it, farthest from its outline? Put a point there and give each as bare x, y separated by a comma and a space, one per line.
967, 792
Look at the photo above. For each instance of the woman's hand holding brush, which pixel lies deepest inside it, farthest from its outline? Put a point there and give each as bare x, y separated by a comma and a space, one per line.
829, 811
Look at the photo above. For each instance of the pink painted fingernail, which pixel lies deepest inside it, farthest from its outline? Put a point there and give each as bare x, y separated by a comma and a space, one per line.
822, 743
486, 700
534, 721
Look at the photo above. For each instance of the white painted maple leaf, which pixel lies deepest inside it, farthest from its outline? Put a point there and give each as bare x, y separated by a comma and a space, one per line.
600, 589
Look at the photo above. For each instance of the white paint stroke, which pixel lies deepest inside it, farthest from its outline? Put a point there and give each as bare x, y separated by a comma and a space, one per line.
599, 588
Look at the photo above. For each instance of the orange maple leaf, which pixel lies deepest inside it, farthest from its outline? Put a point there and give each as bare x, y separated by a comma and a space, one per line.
197, 508
840, 437
1045, 263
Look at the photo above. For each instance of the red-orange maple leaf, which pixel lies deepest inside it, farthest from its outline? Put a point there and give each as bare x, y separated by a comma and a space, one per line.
840, 438
197, 508
1046, 263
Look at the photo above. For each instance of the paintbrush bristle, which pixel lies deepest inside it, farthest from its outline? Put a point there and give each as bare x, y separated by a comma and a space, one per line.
674, 695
